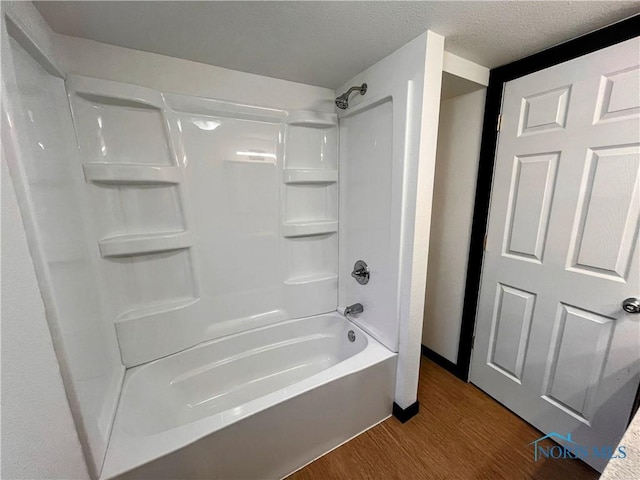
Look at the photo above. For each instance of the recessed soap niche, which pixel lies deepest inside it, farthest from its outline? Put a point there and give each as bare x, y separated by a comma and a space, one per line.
312, 256
141, 283
118, 130
311, 147
312, 279
133, 209
311, 203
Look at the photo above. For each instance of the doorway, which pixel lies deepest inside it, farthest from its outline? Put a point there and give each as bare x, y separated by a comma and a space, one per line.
554, 341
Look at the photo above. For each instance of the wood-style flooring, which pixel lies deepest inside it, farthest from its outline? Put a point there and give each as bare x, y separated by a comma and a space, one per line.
460, 433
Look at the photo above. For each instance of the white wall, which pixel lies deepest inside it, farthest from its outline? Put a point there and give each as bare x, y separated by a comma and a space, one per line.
39, 439
418, 253
79, 56
453, 200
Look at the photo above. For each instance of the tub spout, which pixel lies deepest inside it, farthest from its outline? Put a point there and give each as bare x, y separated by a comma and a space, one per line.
355, 308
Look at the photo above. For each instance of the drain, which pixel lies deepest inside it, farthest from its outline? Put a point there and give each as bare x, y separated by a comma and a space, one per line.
351, 336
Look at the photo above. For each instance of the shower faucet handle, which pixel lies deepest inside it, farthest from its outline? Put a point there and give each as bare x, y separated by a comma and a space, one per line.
361, 272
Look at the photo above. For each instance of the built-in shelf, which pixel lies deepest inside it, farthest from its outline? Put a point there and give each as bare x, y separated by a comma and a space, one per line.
141, 244
303, 229
304, 118
317, 278
308, 176
131, 174
305, 296
155, 308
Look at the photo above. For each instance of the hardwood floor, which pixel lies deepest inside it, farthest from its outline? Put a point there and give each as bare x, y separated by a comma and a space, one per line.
460, 433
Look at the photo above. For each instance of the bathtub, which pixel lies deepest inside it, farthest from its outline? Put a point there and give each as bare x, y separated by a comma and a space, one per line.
259, 404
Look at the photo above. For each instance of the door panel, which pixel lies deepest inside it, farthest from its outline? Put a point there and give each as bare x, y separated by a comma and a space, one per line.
545, 111
552, 341
530, 204
606, 224
579, 349
619, 95
511, 327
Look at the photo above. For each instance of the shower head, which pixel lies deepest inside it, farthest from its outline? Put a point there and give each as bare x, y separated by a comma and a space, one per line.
342, 102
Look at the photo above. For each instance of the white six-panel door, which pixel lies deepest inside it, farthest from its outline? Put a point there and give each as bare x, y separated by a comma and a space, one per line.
552, 341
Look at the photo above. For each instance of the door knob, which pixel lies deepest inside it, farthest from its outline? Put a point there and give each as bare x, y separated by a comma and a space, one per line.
631, 305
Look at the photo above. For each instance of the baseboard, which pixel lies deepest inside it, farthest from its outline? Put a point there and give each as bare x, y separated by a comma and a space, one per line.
405, 414
448, 365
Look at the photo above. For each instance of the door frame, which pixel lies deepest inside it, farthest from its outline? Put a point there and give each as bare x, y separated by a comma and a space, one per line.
618, 32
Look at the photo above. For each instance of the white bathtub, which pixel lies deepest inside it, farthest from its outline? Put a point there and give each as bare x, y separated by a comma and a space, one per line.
259, 404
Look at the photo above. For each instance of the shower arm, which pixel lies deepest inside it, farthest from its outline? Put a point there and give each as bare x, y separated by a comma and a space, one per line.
361, 88
352, 89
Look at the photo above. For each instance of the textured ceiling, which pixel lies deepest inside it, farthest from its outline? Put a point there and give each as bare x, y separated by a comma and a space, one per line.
326, 43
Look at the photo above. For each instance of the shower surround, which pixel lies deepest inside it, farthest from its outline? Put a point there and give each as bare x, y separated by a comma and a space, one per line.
213, 218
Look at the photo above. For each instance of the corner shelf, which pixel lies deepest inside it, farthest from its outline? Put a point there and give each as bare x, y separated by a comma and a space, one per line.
131, 174
128, 245
304, 229
305, 118
309, 176
310, 295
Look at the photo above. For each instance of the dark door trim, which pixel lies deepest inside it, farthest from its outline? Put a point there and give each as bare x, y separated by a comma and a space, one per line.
616, 33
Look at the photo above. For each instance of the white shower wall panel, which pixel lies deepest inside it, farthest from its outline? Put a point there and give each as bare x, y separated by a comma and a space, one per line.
366, 220
232, 182
46, 172
203, 232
